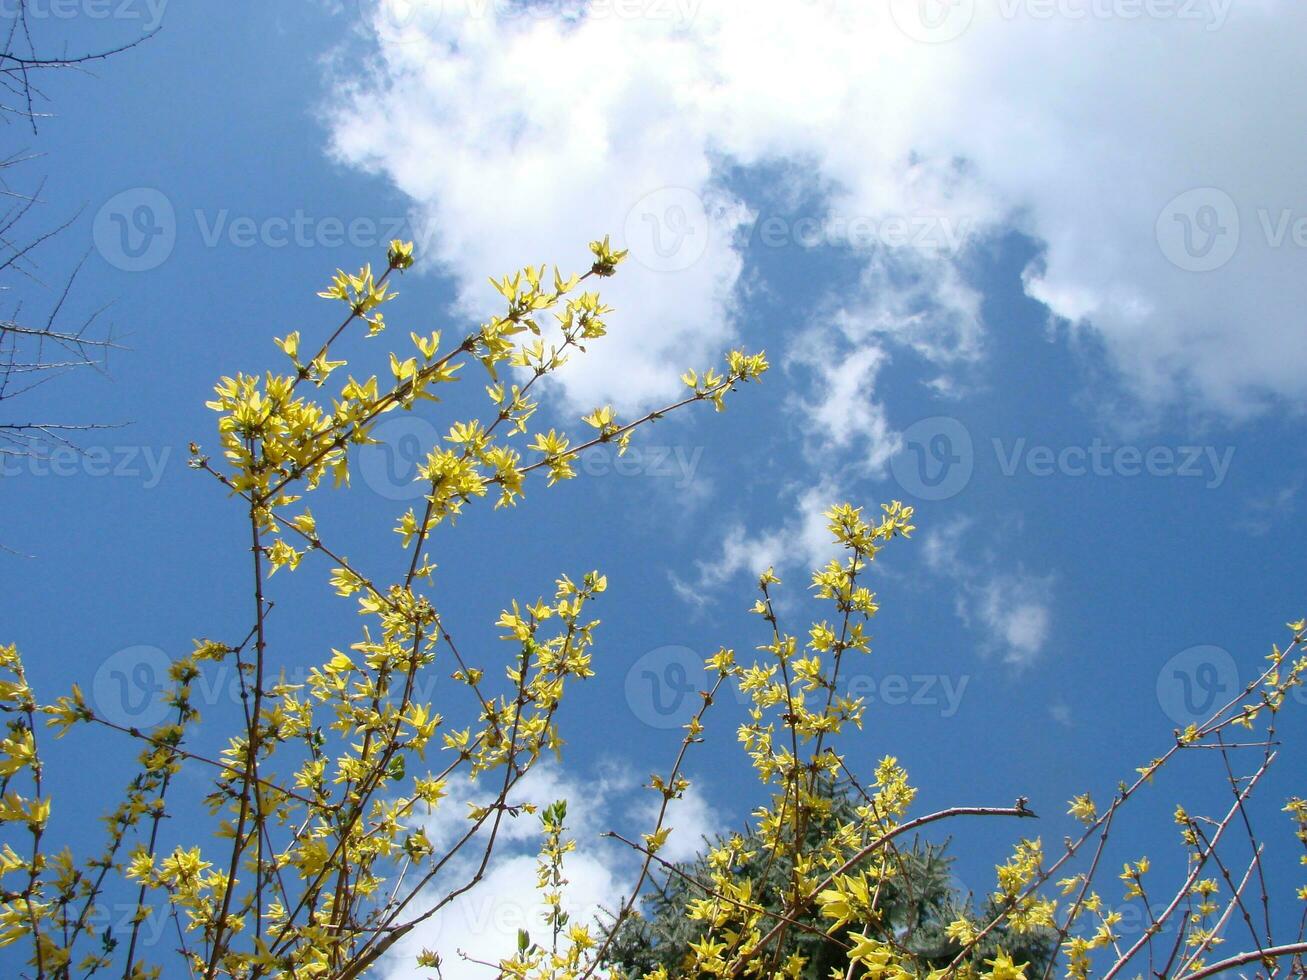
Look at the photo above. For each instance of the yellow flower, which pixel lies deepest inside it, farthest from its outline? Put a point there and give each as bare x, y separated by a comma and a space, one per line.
1083, 809
1001, 967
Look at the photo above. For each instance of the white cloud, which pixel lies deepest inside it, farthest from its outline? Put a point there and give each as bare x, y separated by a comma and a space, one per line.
1060, 712
1014, 609
692, 820
483, 923
519, 136
1263, 512
1011, 608
800, 543
845, 413
520, 139
940, 547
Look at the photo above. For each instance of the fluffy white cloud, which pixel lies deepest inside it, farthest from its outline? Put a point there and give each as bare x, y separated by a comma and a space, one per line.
520, 129
802, 542
1012, 609
521, 138
1148, 146
844, 412
692, 819
1015, 610
482, 924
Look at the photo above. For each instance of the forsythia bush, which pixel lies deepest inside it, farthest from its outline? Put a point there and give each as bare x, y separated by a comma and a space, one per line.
318, 863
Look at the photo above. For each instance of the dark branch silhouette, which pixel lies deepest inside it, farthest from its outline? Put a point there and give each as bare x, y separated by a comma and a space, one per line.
39, 340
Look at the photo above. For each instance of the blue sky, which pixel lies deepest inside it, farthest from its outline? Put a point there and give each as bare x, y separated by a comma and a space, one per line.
1056, 305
